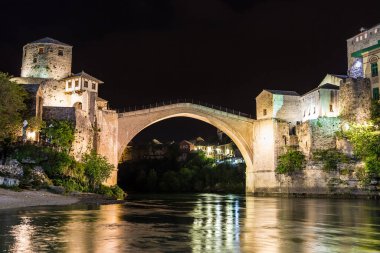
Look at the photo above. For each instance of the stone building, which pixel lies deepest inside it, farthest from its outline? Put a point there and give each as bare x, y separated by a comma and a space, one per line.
59, 94
309, 121
363, 53
285, 119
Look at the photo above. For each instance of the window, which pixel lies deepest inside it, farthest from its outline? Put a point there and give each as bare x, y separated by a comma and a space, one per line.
265, 112
357, 39
374, 69
85, 84
94, 86
361, 37
35, 60
365, 35
41, 50
76, 83
376, 30
60, 52
331, 108
376, 93
69, 85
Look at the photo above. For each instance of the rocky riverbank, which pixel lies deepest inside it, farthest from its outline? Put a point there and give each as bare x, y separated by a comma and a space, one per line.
14, 199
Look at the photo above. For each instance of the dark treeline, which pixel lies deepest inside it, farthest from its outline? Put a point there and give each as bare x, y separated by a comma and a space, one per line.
197, 174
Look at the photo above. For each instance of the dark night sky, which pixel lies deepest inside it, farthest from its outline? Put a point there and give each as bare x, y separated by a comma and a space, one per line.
219, 51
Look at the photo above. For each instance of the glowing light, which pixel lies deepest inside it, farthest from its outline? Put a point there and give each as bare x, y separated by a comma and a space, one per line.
23, 236
358, 64
346, 127
31, 136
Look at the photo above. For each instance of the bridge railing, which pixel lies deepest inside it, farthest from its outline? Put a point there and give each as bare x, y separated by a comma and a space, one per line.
183, 100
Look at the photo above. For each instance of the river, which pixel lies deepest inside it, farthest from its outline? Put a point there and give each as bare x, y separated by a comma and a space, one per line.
196, 223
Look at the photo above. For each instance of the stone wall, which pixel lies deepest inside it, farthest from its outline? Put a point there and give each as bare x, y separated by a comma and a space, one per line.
264, 160
314, 180
107, 139
264, 101
58, 113
278, 106
84, 135
84, 129
286, 108
48, 64
355, 100
317, 134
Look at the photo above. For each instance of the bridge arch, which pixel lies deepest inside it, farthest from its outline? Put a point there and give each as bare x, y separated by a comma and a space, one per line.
238, 128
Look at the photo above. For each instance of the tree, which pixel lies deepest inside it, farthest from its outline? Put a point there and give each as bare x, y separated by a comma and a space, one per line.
290, 162
96, 168
60, 133
12, 105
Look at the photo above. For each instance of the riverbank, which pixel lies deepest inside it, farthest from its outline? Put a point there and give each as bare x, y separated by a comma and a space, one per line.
25, 198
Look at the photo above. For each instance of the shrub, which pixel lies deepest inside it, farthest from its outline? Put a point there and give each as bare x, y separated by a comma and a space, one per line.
372, 166
365, 140
111, 191
96, 168
291, 161
60, 133
71, 184
330, 158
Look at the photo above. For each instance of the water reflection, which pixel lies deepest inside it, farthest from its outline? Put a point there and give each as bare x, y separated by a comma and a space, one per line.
196, 223
23, 236
216, 224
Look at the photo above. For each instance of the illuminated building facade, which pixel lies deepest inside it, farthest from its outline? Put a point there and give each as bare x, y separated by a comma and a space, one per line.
363, 53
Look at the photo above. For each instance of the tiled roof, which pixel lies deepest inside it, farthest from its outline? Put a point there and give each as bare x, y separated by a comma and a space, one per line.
50, 41
326, 86
329, 86
340, 76
85, 75
283, 92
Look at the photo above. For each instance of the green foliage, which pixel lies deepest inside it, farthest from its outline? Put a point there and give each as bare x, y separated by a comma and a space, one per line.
197, 174
365, 139
59, 166
114, 192
291, 161
35, 124
330, 158
72, 184
60, 133
319, 124
12, 106
96, 168
55, 164
375, 112
372, 166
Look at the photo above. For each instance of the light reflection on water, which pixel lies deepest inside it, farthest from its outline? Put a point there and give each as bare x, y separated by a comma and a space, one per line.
196, 223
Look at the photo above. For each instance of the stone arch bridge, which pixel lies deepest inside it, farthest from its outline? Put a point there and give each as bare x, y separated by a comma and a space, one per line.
253, 138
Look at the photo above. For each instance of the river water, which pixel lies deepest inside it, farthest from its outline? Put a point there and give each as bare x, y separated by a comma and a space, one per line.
196, 223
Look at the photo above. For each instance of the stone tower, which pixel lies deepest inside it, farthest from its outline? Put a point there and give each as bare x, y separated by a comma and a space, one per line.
355, 100
46, 58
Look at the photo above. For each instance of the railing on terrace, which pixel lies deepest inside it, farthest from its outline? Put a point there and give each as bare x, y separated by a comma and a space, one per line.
177, 101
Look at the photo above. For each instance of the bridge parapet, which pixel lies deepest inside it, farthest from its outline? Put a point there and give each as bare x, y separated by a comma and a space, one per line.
184, 101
